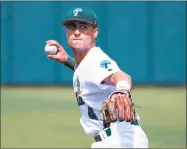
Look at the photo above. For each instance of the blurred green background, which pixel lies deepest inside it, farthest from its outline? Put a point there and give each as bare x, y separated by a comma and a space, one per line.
36, 117
146, 39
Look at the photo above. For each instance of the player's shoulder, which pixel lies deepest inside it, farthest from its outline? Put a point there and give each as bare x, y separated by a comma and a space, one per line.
98, 50
95, 55
101, 59
99, 54
95, 58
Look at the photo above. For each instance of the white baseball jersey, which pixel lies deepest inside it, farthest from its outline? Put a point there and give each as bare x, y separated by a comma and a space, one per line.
92, 70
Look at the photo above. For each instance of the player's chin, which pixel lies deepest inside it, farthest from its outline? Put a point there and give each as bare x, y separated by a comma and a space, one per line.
78, 46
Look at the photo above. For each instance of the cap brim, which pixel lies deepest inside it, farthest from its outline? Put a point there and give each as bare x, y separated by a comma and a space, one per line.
65, 22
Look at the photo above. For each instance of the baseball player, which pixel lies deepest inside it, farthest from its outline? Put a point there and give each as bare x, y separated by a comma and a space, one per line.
102, 89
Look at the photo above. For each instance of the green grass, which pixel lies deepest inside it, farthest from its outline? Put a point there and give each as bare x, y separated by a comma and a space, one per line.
49, 117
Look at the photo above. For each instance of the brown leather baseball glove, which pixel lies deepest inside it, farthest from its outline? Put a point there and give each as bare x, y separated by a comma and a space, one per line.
118, 106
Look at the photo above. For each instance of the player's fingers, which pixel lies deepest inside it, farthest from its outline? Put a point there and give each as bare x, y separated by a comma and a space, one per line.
51, 42
53, 56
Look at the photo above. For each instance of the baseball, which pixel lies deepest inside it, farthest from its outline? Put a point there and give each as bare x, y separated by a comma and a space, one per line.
50, 50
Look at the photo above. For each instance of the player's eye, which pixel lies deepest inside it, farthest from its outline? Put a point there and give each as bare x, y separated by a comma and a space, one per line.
71, 26
84, 26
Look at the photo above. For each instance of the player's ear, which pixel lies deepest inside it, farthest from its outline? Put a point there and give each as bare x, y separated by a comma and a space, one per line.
95, 33
66, 32
66, 35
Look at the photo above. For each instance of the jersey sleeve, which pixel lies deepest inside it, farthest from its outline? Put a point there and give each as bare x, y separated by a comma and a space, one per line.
96, 66
104, 67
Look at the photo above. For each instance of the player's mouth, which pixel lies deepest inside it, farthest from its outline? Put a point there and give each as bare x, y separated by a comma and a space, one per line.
76, 39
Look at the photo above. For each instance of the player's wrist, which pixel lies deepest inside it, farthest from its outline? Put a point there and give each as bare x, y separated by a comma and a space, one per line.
70, 62
123, 85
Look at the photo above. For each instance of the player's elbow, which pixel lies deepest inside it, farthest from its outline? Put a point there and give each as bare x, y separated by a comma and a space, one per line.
124, 74
127, 76
120, 75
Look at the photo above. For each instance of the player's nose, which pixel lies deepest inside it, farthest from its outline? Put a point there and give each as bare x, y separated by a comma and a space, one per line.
77, 33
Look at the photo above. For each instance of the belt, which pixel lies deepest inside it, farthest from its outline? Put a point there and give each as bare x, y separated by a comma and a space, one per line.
107, 133
103, 134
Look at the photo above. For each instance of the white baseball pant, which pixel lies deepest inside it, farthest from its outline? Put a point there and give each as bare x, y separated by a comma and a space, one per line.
122, 135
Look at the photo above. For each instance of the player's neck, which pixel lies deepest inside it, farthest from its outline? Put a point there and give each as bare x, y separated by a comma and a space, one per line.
80, 54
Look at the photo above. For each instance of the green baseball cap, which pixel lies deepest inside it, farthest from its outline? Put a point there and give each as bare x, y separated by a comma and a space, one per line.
81, 14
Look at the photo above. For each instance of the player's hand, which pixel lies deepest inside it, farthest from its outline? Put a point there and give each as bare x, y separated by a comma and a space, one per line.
61, 55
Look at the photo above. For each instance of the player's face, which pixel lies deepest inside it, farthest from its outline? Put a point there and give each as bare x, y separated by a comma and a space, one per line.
81, 35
